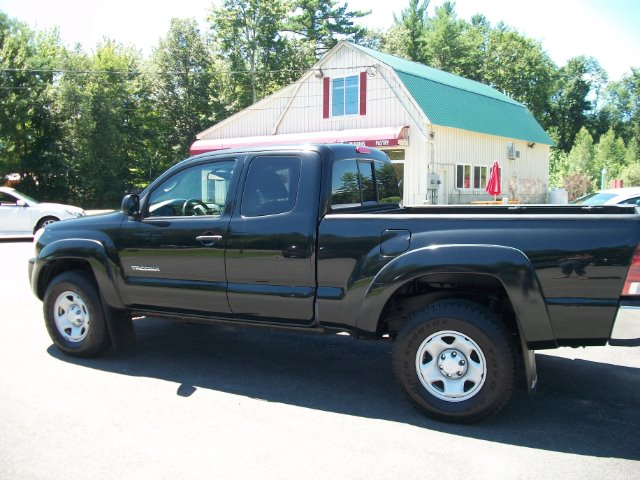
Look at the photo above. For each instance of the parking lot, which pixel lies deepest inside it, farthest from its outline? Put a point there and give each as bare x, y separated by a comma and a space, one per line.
195, 401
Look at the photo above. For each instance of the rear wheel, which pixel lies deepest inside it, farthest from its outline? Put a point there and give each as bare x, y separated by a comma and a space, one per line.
456, 361
74, 315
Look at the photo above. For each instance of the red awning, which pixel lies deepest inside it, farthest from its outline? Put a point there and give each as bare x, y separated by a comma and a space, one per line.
371, 137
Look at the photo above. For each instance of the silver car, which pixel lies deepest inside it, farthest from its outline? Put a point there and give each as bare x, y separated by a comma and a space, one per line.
611, 196
21, 215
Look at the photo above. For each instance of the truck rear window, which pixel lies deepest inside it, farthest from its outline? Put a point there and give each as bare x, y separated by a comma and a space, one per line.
363, 182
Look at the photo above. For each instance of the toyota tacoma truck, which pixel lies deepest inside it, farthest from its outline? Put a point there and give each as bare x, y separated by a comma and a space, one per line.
313, 238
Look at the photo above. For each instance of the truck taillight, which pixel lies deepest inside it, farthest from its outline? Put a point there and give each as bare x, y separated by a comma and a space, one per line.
632, 282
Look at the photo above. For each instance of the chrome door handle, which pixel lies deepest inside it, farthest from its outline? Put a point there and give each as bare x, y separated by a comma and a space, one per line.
208, 240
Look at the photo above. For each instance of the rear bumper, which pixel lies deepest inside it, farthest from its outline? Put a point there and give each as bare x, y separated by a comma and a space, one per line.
626, 329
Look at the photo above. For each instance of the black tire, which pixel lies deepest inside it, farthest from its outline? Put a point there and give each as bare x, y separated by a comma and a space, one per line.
456, 361
44, 222
74, 315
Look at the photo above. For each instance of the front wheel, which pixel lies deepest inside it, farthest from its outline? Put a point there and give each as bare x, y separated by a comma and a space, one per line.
74, 315
43, 222
456, 361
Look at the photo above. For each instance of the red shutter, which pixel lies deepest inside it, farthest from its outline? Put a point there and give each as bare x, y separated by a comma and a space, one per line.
363, 93
326, 86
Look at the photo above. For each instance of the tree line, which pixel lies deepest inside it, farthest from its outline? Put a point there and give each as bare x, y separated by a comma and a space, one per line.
85, 127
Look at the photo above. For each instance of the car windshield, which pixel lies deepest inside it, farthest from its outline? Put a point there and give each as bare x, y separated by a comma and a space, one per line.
598, 198
28, 198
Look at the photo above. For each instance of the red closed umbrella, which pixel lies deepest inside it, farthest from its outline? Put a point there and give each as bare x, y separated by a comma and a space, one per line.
493, 185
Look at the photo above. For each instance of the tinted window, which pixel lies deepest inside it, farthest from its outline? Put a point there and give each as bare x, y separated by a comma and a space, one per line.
388, 190
198, 190
366, 182
354, 183
594, 199
631, 201
271, 186
345, 184
6, 199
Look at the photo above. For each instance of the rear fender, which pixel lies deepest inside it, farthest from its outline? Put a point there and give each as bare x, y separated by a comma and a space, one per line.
508, 265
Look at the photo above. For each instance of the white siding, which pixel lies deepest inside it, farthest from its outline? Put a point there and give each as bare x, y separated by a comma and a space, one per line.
298, 108
385, 107
387, 103
255, 120
453, 147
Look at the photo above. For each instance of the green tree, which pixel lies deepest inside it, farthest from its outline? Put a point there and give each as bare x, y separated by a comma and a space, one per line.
558, 167
581, 157
395, 41
570, 107
622, 106
477, 39
609, 153
445, 46
518, 66
30, 137
247, 37
184, 93
412, 26
105, 169
630, 174
321, 23
74, 105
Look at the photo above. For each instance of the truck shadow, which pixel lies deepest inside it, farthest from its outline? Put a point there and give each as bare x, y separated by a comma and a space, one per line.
581, 407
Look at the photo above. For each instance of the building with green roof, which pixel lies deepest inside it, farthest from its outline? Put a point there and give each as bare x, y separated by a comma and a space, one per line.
443, 132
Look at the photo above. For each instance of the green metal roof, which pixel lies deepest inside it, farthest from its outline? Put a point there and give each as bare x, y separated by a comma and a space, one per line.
452, 101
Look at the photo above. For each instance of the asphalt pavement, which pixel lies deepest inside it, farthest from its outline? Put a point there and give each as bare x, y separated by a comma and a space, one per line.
197, 401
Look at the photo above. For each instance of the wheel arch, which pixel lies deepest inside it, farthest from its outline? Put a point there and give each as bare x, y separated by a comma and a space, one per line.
489, 266
38, 224
77, 254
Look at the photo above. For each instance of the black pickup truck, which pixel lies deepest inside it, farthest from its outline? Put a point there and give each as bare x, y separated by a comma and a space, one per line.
312, 238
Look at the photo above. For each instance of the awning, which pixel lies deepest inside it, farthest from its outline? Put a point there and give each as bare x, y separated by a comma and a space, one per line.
370, 137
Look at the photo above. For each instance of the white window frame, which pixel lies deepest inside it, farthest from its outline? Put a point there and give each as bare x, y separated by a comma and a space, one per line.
464, 167
481, 185
333, 99
474, 170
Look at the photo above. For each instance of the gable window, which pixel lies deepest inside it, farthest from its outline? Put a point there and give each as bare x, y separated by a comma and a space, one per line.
344, 96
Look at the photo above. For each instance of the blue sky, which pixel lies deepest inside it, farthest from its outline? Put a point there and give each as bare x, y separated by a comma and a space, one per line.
605, 29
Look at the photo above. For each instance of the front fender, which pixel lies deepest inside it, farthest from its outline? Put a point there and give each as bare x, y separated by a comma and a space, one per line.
77, 249
508, 265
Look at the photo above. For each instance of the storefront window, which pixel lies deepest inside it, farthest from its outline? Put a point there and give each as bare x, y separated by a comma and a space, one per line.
463, 176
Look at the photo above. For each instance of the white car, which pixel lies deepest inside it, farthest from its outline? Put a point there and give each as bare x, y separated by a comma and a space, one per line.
611, 196
21, 215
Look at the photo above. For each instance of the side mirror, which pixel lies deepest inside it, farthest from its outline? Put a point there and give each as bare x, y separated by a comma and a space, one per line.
131, 205
21, 203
